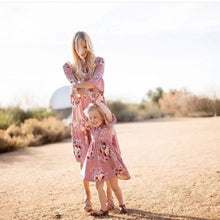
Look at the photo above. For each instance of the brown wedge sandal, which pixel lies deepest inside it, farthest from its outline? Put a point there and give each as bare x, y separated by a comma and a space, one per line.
99, 213
123, 209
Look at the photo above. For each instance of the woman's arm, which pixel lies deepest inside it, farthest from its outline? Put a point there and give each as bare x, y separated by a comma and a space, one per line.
82, 92
97, 81
69, 71
84, 85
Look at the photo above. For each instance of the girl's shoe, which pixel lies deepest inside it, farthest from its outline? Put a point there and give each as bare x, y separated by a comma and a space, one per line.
123, 209
99, 213
87, 205
110, 204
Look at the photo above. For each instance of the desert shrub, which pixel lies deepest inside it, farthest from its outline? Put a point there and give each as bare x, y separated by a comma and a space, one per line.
184, 103
201, 106
46, 131
9, 144
216, 106
175, 104
67, 131
123, 112
33, 132
148, 110
14, 131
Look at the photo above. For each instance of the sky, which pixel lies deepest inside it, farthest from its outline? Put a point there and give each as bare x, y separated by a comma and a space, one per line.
145, 45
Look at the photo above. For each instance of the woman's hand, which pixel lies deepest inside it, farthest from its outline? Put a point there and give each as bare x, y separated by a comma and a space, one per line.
83, 92
76, 86
87, 123
83, 85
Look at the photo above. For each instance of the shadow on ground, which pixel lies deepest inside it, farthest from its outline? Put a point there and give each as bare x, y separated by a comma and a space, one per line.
139, 214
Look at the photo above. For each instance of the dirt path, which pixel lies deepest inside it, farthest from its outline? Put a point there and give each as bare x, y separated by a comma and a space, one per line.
174, 164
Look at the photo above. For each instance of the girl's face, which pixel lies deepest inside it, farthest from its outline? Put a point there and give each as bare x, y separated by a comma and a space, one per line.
95, 118
84, 50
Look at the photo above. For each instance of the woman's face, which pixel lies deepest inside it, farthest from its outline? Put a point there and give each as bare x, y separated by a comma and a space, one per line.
84, 50
95, 118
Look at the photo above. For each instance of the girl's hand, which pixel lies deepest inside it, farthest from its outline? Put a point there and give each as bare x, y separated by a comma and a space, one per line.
87, 124
93, 96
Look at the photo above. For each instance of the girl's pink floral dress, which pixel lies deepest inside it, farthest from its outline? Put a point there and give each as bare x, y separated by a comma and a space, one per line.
80, 134
103, 160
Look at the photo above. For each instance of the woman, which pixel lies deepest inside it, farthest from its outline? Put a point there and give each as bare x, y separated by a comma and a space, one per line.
85, 76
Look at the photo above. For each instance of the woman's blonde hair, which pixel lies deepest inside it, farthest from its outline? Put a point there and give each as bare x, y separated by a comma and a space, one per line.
79, 60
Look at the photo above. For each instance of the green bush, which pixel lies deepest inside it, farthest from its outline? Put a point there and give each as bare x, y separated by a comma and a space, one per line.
41, 113
148, 110
16, 115
6, 119
122, 111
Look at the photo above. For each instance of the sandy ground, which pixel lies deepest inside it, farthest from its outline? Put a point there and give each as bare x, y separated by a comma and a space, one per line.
174, 164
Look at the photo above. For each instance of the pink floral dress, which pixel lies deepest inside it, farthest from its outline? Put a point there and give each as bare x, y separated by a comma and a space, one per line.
103, 160
80, 134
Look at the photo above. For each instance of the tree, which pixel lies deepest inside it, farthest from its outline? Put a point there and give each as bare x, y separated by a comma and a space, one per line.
154, 96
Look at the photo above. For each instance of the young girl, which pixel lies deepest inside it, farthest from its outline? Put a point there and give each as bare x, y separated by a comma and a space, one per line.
103, 161
86, 77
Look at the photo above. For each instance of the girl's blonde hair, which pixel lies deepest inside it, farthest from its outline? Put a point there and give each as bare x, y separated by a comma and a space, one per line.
96, 107
79, 60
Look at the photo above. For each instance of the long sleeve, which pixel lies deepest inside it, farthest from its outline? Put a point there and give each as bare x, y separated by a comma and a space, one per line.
79, 118
97, 79
76, 116
113, 121
109, 117
69, 73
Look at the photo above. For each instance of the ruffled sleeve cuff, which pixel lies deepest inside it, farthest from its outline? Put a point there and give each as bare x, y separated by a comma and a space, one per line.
97, 79
69, 73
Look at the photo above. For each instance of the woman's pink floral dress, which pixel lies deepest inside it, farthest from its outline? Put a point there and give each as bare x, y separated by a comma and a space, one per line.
80, 134
103, 160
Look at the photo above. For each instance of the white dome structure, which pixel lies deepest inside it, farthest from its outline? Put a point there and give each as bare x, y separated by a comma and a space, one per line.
61, 98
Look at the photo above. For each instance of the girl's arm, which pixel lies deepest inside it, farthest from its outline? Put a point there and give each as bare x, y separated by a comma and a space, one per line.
108, 114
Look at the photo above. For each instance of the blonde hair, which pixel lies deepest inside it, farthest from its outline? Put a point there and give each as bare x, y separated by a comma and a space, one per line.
96, 107
79, 60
